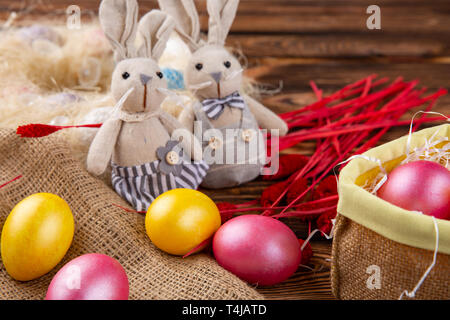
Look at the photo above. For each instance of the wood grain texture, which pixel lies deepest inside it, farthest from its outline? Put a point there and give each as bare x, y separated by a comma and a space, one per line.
331, 75
302, 28
311, 282
338, 45
268, 16
295, 41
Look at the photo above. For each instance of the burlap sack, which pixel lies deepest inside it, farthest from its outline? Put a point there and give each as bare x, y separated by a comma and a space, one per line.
47, 166
371, 232
356, 248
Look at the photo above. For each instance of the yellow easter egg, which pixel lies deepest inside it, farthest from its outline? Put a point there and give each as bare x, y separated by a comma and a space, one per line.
36, 236
181, 219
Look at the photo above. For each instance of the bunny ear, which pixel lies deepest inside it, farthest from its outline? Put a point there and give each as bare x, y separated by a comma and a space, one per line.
186, 19
119, 22
221, 17
155, 29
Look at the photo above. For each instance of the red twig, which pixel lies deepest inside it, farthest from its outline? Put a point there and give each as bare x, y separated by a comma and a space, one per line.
327, 199
199, 247
127, 209
303, 213
10, 181
37, 130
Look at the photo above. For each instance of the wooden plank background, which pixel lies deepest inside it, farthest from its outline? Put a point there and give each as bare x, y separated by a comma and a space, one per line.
295, 41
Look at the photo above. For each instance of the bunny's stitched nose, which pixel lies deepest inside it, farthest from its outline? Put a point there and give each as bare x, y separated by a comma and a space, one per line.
145, 79
216, 76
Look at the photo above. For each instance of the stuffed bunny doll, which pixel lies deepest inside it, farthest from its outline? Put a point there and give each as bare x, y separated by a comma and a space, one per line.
137, 138
215, 77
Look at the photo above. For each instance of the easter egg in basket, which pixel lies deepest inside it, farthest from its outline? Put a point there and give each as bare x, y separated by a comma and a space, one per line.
422, 186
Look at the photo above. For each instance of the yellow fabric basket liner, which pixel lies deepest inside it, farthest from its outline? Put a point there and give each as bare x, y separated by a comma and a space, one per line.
386, 219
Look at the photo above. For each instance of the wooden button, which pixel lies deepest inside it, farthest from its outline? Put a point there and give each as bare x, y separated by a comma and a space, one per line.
215, 143
172, 158
247, 135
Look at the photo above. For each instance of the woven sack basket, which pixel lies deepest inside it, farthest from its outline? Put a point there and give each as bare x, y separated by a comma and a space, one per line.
375, 238
100, 227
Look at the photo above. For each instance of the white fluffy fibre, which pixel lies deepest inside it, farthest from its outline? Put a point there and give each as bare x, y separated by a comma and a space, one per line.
54, 75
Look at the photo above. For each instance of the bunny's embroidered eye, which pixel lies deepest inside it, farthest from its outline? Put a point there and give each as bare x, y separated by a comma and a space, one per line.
125, 75
160, 75
199, 66
227, 64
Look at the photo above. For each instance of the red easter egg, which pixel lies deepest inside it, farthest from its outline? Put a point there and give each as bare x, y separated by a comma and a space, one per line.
419, 186
258, 249
90, 277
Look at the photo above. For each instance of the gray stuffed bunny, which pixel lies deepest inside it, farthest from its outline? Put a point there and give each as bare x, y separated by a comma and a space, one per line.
215, 77
138, 139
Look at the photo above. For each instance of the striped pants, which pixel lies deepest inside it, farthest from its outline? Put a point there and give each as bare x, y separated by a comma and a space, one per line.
142, 184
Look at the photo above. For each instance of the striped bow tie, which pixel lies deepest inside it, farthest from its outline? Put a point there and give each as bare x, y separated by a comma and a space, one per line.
214, 107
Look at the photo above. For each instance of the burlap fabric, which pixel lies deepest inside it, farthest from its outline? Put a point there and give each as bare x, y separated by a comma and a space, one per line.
47, 166
355, 248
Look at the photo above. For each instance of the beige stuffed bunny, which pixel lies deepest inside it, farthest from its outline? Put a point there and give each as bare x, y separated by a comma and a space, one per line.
137, 138
215, 76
